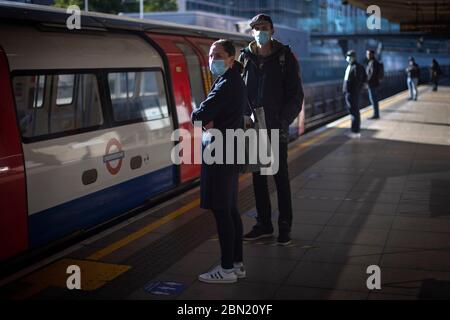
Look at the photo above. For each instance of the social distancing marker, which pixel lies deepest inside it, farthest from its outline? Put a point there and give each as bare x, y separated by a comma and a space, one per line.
309, 247
164, 288
93, 275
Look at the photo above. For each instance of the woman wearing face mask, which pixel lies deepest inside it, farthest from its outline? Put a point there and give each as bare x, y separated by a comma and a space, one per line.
223, 109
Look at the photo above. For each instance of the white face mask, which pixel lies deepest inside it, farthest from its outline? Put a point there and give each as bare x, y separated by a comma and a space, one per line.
350, 59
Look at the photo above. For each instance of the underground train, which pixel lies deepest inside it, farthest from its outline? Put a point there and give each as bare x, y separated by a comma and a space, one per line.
86, 117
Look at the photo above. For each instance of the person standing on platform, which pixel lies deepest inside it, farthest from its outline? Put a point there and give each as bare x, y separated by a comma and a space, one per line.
223, 109
412, 78
435, 73
354, 79
375, 73
272, 75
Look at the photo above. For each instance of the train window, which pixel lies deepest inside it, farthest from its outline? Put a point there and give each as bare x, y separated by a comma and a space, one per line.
30, 89
138, 96
123, 85
39, 113
65, 89
39, 93
195, 74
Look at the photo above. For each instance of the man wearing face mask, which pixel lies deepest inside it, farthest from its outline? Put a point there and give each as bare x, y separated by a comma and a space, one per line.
223, 109
354, 79
272, 75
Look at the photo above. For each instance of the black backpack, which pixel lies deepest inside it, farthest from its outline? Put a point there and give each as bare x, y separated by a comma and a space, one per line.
361, 74
380, 70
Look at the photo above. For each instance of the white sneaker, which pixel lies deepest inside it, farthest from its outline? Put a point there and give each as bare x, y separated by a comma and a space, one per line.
353, 135
218, 275
239, 270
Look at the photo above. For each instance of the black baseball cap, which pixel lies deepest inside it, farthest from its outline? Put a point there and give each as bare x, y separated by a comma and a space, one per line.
260, 18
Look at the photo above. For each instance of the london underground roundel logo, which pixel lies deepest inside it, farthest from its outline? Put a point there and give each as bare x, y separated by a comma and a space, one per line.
113, 156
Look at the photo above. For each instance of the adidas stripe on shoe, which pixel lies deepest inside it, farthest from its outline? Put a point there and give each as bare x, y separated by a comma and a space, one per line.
219, 275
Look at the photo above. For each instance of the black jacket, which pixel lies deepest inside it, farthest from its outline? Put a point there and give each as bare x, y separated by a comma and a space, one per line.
413, 71
356, 79
372, 71
224, 105
274, 83
435, 71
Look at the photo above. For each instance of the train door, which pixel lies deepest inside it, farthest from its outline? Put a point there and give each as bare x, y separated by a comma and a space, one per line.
190, 86
202, 47
13, 212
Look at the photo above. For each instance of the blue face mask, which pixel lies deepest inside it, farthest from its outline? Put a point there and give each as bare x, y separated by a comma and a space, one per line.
262, 37
218, 67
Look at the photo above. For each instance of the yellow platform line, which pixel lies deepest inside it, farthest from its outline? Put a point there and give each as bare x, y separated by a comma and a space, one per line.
141, 232
93, 275
195, 203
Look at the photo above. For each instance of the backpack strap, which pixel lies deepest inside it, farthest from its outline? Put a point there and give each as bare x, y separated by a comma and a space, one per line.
282, 61
282, 58
244, 59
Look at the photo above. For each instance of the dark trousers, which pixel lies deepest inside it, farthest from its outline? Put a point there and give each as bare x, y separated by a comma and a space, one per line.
352, 102
373, 97
229, 228
262, 196
435, 84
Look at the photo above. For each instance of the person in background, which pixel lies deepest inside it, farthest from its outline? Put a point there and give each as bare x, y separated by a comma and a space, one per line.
354, 79
374, 73
412, 78
223, 109
435, 73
